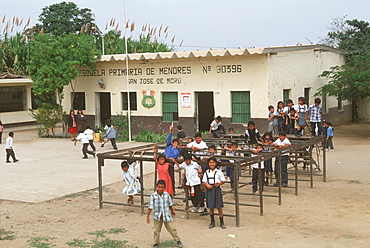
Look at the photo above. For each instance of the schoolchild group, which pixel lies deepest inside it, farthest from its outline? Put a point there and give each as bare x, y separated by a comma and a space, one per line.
204, 182
77, 124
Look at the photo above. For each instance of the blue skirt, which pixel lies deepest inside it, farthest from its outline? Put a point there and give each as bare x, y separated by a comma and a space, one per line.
301, 120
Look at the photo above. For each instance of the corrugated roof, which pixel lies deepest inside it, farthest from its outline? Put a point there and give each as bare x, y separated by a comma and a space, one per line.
215, 53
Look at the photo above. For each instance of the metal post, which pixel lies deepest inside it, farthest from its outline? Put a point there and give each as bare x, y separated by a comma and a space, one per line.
296, 172
100, 180
187, 202
311, 169
260, 182
279, 178
142, 188
236, 193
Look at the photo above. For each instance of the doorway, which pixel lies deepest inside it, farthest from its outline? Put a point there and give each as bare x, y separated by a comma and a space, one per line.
105, 107
205, 111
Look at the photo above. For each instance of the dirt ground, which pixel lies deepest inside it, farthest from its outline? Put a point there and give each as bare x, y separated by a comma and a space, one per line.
335, 213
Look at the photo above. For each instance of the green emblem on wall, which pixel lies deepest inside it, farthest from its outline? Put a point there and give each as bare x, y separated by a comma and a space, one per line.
148, 98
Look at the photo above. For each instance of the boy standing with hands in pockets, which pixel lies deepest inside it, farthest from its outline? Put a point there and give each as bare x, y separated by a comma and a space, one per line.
161, 203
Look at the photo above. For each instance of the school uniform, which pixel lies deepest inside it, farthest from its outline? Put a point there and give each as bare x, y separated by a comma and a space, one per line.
193, 180
111, 134
252, 136
255, 174
302, 109
292, 126
202, 146
85, 143
216, 128
90, 136
284, 162
9, 149
214, 195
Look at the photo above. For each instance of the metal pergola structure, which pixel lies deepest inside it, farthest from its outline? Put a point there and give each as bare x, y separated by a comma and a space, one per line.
299, 146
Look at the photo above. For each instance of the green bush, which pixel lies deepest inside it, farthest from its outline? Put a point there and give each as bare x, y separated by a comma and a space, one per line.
146, 135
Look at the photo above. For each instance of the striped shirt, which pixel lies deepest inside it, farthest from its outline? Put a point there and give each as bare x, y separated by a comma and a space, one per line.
161, 206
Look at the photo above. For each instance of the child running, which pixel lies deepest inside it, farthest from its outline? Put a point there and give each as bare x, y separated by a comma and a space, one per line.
129, 175
85, 143
162, 170
213, 178
161, 203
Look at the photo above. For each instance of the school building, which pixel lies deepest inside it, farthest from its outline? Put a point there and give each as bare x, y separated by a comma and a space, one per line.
191, 87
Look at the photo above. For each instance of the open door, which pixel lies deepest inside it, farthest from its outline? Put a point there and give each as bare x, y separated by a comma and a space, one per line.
205, 111
105, 107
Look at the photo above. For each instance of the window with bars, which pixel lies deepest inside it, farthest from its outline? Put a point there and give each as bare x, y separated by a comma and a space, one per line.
307, 96
133, 101
286, 94
170, 108
240, 107
79, 101
13, 98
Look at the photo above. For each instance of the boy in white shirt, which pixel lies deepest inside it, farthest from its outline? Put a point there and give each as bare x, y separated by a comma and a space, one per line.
216, 127
192, 171
198, 146
9, 148
85, 143
90, 136
281, 143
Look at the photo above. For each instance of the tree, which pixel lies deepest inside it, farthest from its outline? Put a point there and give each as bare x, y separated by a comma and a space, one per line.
352, 80
55, 62
64, 18
14, 54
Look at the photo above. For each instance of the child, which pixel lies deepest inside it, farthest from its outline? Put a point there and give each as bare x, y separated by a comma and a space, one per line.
230, 169
129, 175
329, 136
180, 134
1, 131
267, 140
85, 143
163, 171
110, 134
292, 122
192, 170
301, 111
281, 116
90, 136
161, 203
315, 111
171, 152
257, 174
272, 125
216, 127
281, 143
213, 178
198, 146
252, 134
9, 148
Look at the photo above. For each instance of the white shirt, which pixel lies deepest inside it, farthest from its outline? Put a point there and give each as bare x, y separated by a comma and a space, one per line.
215, 176
82, 137
9, 143
191, 172
255, 166
89, 133
214, 125
302, 108
282, 143
200, 145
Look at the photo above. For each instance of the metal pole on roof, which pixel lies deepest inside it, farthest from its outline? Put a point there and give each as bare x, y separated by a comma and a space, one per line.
127, 81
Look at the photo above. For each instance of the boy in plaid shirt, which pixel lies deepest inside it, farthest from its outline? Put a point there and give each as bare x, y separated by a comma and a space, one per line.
315, 111
161, 203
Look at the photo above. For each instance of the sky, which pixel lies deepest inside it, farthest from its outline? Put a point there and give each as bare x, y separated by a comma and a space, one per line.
205, 24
